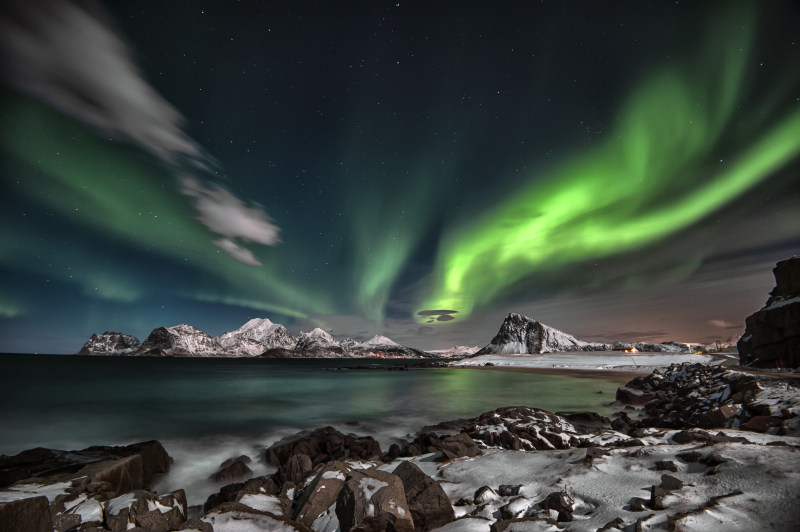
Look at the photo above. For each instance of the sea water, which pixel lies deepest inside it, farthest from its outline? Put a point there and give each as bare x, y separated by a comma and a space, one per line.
205, 411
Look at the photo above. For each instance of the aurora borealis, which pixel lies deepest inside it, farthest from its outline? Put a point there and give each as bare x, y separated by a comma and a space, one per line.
395, 168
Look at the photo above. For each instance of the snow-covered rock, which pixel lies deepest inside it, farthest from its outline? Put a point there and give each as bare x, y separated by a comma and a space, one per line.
457, 351
520, 334
255, 337
772, 335
307, 341
180, 340
110, 343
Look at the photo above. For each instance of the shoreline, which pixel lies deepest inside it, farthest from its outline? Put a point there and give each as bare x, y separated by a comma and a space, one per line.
619, 376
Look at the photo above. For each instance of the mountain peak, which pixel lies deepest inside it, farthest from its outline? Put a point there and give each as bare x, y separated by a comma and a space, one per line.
521, 334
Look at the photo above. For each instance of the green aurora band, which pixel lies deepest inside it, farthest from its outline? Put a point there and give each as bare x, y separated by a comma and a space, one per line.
682, 149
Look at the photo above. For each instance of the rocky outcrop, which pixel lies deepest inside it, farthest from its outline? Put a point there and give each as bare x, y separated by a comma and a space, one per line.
323, 445
429, 505
180, 340
684, 396
373, 500
110, 343
255, 337
522, 335
772, 335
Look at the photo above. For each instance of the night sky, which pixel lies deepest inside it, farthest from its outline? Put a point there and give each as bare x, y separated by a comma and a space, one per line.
620, 170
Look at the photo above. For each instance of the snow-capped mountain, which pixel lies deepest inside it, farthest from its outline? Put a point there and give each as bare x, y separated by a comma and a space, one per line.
307, 341
457, 351
255, 337
258, 337
520, 334
110, 343
180, 340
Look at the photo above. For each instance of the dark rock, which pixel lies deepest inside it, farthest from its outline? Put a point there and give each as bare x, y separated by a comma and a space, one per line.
561, 502
772, 335
657, 495
63, 522
669, 483
666, 465
429, 505
762, 423
718, 417
620, 425
637, 504
507, 490
592, 453
524, 428
463, 501
712, 459
484, 494
322, 492
232, 492
502, 525
243, 459
689, 456
584, 419
322, 445
296, 469
630, 396
26, 515
687, 436
196, 524
617, 523
373, 500
234, 472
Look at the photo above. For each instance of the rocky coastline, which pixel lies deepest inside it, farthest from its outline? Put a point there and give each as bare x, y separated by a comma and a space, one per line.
691, 446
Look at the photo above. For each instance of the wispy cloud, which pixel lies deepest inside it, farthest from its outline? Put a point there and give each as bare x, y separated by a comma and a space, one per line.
722, 324
69, 56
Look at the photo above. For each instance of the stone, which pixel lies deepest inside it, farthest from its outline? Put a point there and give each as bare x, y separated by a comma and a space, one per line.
616, 524
322, 445
296, 469
508, 490
232, 492
484, 494
657, 495
429, 505
669, 483
561, 502
630, 396
772, 334
146, 510
234, 472
762, 423
321, 493
666, 465
637, 504
196, 524
26, 515
373, 500
719, 416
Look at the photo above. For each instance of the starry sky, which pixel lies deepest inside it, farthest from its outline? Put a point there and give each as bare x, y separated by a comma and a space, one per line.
619, 170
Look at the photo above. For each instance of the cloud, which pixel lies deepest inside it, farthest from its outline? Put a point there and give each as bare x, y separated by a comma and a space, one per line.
722, 324
225, 214
70, 57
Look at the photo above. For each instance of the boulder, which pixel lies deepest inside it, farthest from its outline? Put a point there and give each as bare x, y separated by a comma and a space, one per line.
772, 335
26, 515
323, 445
235, 471
561, 502
429, 505
718, 417
318, 498
232, 492
373, 500
762, 423
296, 469
147, 510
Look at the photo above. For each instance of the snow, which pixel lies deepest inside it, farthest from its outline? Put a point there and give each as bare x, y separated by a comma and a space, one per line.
265, 503
90, 510
117, 504
370, 486
783, 303
333, 474
327, 521
378, 340
588, 360
25, 491
245, 522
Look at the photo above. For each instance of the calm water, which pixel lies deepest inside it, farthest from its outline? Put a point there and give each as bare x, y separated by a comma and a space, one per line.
206, 410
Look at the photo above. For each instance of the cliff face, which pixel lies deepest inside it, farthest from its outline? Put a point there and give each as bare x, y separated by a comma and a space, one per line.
110, 343
772, 335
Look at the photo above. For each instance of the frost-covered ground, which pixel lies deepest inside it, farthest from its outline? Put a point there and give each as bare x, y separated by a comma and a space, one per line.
589, 360
725, 486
